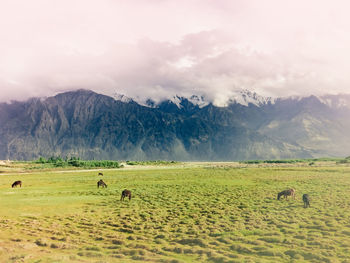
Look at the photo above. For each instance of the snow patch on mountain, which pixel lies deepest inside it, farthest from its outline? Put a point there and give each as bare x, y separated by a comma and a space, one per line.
177, 101
122, 98
243, 97
198, 100
246, 97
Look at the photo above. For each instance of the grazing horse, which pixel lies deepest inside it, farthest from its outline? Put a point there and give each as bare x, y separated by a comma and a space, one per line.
306, 200
16, 183
125, 193
101, 183
100, 173
286, 193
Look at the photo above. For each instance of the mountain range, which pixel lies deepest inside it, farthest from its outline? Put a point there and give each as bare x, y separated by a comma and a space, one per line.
89, 125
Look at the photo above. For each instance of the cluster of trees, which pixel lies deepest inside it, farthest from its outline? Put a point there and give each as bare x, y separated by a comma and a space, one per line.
345, 160
76, 162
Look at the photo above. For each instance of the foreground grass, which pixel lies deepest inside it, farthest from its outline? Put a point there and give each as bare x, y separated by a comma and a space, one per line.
222, 214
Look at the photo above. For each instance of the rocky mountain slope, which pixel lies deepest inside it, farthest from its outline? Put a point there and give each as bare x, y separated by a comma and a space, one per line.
93, 126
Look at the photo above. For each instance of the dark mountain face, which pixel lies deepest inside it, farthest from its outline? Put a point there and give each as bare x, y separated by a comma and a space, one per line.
314, 125
93, 126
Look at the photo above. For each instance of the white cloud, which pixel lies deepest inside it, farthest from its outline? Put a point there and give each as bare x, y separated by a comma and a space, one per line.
161, 48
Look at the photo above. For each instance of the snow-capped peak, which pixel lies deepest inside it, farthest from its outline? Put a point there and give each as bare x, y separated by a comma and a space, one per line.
246, 97
122, 98
194, 99
243, 97
176, 100
198, 100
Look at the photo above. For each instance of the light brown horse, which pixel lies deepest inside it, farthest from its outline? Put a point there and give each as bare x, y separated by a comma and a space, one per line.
125, 193
16, 183
286, 193
101, 183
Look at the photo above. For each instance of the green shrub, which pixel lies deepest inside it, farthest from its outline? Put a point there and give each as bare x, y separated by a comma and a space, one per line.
155, 162
76, 162
343, 161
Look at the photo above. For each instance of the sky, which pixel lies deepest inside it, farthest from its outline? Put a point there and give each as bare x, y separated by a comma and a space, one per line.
159, 48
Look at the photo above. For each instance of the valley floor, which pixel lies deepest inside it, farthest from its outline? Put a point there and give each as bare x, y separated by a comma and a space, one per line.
186, 212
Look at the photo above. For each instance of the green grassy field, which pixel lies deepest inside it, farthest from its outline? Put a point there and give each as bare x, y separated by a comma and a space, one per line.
184, 213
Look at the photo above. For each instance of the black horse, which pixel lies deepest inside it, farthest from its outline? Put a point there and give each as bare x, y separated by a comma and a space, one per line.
16, 183
306, 200
125, 193
101, 183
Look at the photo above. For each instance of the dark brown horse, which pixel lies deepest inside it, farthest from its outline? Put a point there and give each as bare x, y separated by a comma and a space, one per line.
125, 193
101, 183
306, 200
100, 174
16, 183
286, 193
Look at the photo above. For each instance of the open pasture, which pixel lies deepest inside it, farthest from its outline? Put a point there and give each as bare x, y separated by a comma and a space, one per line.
176, 214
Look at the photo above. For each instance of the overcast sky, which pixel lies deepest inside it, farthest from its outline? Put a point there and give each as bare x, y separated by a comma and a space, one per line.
154, 48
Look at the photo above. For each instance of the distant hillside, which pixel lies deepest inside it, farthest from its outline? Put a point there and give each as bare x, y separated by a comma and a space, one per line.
94, 126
